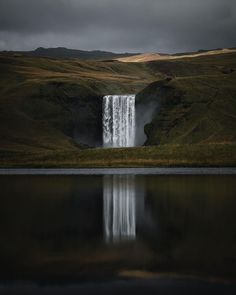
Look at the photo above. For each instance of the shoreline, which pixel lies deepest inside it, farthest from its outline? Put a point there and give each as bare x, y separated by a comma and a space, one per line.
120, 171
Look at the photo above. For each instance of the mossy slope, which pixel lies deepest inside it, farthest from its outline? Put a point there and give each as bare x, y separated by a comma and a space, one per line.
194, 106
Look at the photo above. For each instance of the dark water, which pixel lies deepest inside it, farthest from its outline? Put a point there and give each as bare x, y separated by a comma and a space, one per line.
73, 229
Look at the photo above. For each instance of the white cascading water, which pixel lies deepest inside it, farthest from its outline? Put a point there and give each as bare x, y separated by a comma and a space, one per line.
119, 120
119, 207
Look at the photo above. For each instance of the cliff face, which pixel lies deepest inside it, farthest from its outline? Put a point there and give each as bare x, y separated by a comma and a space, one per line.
196, 103
70, 108
191, 110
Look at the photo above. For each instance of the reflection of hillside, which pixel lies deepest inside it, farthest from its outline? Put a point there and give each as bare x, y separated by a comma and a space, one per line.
196, 218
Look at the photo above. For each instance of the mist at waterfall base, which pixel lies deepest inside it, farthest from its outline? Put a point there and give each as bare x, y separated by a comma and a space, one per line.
144, 115
123, 121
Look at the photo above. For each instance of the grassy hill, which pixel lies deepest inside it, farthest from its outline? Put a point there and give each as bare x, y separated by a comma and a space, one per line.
196, 105
50, 111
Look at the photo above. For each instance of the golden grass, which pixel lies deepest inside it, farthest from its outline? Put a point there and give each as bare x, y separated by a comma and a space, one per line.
145, 57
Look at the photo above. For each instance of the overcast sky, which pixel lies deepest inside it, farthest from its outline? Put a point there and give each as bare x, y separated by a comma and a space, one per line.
118, 25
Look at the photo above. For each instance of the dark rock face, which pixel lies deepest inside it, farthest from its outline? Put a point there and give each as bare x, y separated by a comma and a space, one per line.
85, 123
152, 101
66, 107
88, 121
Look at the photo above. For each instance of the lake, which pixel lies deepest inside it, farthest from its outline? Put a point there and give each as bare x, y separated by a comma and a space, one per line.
159, 229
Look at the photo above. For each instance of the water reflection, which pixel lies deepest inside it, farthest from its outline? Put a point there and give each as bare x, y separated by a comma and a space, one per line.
51, 227
119, 207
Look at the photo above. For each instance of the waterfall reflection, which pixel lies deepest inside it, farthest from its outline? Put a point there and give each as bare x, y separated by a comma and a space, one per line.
119, 207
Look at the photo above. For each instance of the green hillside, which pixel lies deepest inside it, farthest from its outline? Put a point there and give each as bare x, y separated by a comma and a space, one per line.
50, 111
196, 105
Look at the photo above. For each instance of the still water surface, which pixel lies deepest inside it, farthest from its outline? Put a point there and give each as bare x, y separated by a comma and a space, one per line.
100, 227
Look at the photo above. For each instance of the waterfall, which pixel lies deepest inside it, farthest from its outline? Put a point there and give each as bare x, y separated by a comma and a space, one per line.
118, 120
119, 207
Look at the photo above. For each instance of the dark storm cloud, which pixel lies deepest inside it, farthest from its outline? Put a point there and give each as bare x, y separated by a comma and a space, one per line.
118, 25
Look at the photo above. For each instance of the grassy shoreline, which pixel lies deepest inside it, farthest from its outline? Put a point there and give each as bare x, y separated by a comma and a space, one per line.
197, 155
